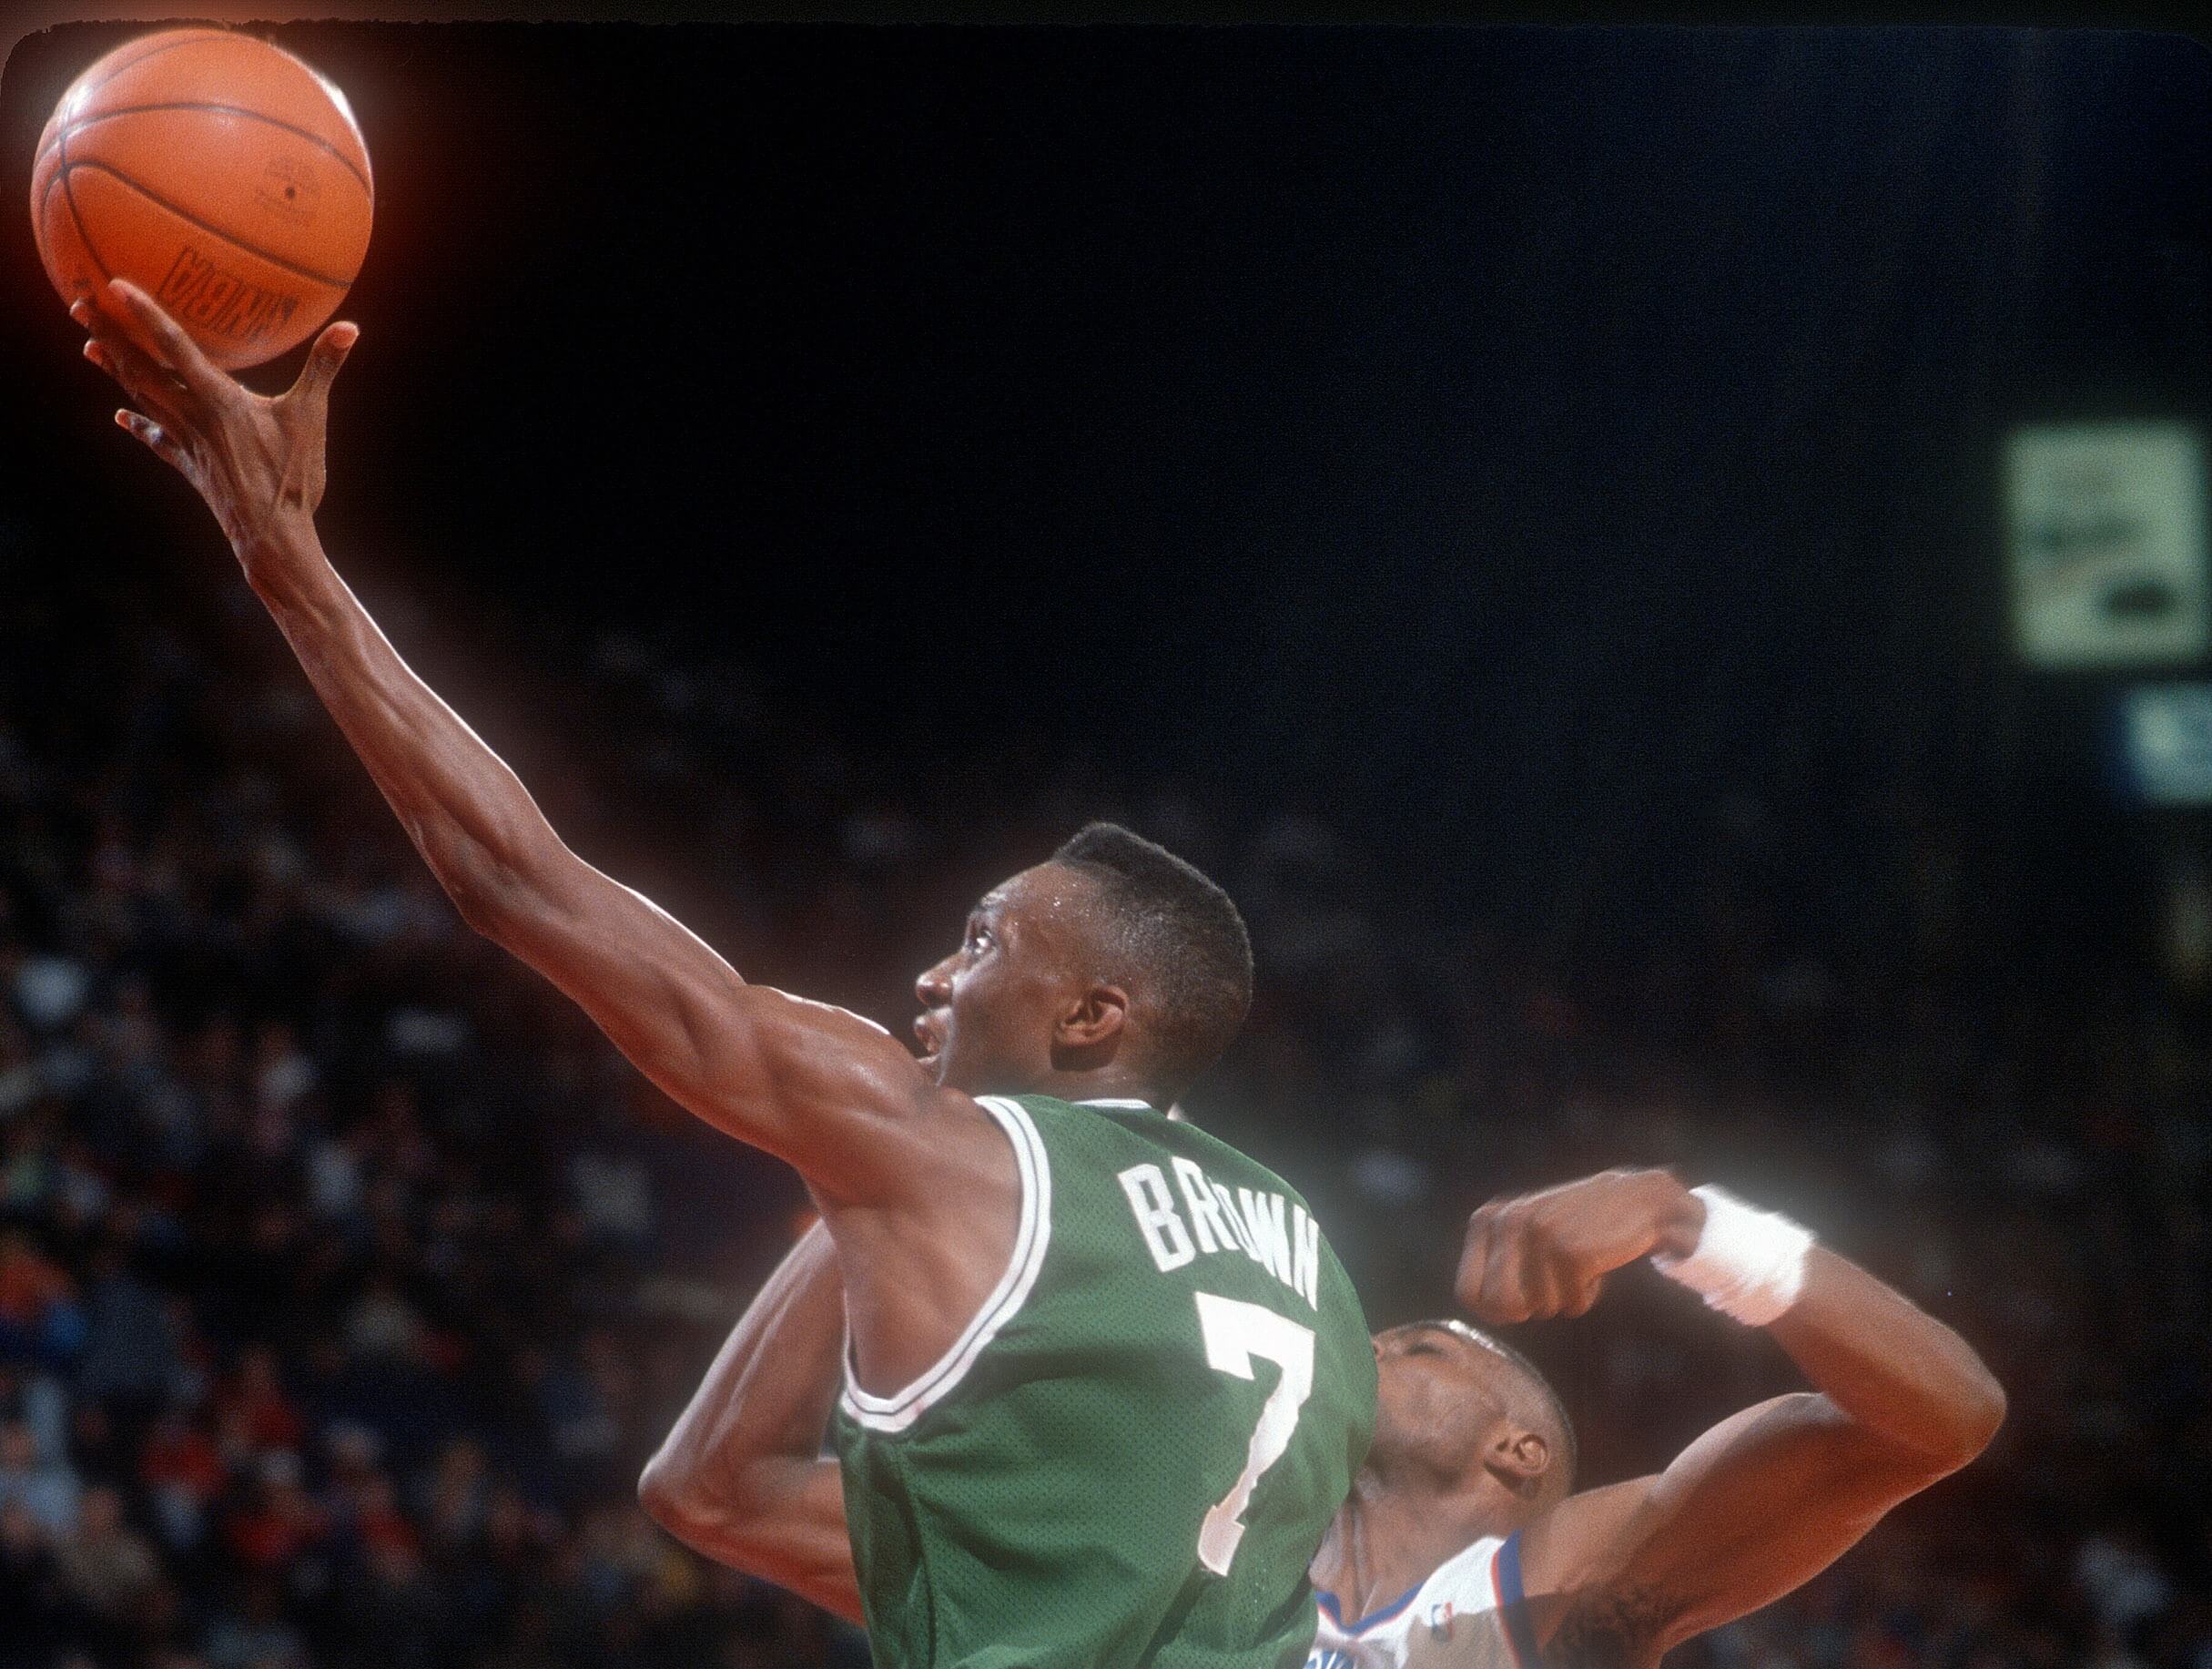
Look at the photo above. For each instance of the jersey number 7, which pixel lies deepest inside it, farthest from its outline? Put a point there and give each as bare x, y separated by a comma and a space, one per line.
1236, 1332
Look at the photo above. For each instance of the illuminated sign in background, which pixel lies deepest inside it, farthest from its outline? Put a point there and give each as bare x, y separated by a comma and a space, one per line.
2106, 524
2165, 731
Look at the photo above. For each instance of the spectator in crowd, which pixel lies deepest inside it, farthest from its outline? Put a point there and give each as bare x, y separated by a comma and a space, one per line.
44, 1486
345, 1282
109, 1569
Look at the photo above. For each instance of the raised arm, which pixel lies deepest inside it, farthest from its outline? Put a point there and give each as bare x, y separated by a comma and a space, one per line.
833, 1095
1770, 1496
741, 1478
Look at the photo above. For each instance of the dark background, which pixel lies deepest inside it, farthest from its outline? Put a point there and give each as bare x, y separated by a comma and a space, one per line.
1415, 410
1521, 504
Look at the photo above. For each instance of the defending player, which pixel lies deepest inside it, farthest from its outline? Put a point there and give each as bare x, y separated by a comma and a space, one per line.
1460, 1546
1107, 1384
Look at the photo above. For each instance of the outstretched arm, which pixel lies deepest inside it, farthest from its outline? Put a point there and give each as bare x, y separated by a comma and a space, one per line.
741, 1478
831, 1094
1767, 1498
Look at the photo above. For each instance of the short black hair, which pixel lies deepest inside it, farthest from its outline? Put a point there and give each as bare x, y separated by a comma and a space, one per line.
1180, 934
1561, 1478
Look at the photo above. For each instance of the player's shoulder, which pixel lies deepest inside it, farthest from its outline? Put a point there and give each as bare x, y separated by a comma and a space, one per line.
1477, 1577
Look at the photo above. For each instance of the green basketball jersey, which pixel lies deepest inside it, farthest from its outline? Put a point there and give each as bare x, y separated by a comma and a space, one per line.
1132, 1453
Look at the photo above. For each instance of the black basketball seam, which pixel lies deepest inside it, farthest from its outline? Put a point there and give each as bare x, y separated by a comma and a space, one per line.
69, 197
202, 32
45, 198
213, 231
314, 138
61, 140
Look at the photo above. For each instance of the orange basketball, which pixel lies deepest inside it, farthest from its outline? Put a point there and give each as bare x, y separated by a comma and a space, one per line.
220, 175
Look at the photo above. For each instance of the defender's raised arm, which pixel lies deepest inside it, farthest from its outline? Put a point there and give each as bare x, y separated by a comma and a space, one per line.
1768, 1497
831, 1094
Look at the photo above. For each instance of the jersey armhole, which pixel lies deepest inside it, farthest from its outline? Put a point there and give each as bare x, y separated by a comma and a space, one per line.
898, 1412
1513, 1603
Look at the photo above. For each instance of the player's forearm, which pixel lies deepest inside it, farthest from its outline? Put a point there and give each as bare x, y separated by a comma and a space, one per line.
1888, 1364
739, 1478
468, 815
768, 1392
780, 1518
1892, 1369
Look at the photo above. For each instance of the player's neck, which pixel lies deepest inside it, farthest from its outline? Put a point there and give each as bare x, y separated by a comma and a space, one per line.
1107, 1083
1386, 1542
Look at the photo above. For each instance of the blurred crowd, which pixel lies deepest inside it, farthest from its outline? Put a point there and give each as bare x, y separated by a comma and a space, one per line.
347, 1278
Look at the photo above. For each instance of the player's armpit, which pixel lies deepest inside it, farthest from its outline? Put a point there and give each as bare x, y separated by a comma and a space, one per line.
1756, 1507
1610, 1628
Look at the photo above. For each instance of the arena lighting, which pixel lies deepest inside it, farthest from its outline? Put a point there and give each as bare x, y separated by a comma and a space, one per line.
2165, 738
2106, 531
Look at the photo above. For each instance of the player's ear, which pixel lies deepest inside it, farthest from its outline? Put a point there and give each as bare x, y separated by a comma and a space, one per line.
1095, 1019
1518, 1458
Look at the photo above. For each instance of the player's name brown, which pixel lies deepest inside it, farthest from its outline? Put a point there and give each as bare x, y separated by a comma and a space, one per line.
1277, 1234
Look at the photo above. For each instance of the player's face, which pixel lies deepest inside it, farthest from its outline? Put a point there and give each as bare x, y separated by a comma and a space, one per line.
989, 1010
1436, 1402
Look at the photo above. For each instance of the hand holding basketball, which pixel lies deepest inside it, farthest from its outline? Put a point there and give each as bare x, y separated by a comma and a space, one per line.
1543, 1255
257, 459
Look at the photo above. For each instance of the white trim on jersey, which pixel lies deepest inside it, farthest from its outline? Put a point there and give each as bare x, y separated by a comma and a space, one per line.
1112, 1102
895, 1413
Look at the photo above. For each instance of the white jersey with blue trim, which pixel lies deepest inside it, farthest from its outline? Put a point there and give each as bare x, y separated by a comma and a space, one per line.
1469, 1614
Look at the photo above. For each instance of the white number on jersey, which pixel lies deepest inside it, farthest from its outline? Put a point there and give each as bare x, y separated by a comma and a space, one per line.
1236, 1332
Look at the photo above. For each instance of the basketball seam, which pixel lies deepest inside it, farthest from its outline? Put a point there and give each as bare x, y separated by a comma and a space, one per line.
69, 197
158, 201
312, 137
197, 35
61, 140
44, 199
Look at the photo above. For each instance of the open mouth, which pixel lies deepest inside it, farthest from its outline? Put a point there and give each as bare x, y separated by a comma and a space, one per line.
926, 1034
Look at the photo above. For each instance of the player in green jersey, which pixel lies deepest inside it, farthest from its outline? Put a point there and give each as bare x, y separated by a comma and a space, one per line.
1072, 1436
1463, 1544
1131, 1456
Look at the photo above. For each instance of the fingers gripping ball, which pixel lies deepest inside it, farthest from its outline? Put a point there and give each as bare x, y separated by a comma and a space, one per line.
220, 175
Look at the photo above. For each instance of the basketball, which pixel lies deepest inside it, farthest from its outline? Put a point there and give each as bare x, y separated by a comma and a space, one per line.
220, 175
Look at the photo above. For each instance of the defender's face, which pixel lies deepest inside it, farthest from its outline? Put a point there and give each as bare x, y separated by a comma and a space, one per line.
990, 1008
1436, 1401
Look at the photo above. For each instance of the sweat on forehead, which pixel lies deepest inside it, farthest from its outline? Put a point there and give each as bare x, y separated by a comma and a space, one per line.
1049, 888
1050, 895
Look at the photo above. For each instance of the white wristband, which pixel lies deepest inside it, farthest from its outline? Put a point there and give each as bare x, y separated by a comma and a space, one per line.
1748, 1263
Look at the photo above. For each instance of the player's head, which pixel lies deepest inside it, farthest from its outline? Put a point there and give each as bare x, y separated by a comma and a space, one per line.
1459, 1414
1113, 953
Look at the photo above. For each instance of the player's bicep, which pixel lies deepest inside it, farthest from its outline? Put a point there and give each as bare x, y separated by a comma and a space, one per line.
1759, 1505
813, 1085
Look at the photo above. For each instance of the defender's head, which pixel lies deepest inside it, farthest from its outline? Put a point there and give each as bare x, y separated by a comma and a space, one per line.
1114, 956
1459, 1414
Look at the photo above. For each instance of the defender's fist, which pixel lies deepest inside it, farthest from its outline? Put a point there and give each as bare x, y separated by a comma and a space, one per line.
1536, 1256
